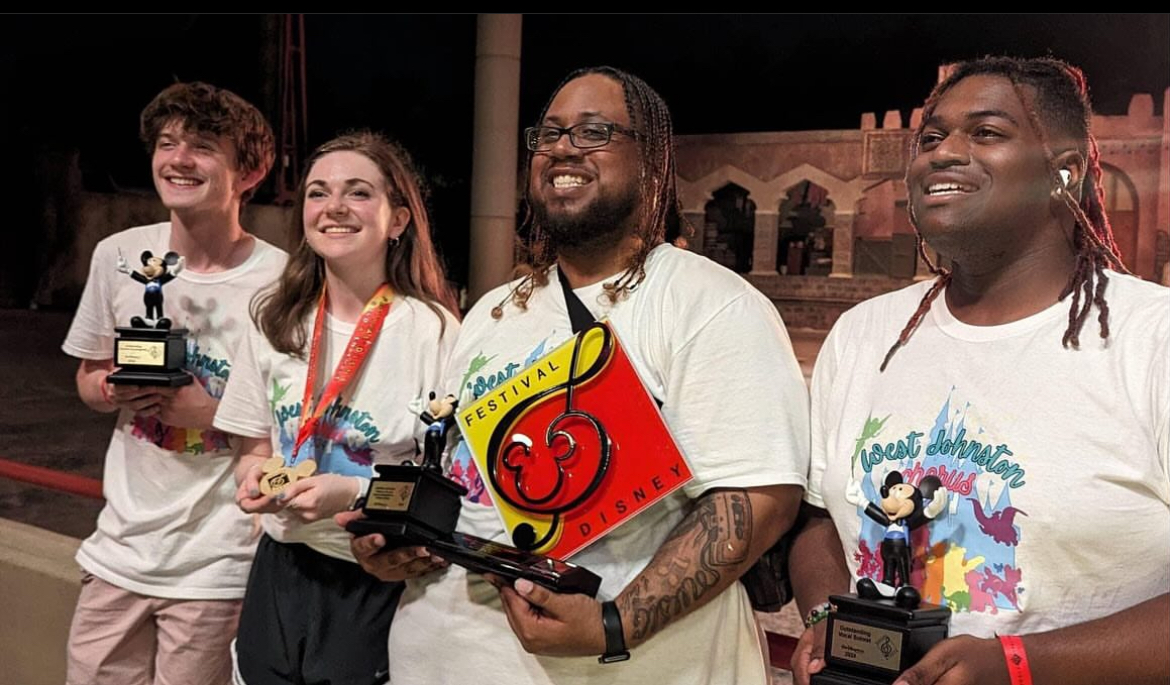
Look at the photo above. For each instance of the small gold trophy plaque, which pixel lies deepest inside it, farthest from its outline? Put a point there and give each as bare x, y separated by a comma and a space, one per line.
871, 641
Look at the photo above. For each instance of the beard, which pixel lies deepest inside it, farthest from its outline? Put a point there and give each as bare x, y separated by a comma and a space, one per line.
597, 227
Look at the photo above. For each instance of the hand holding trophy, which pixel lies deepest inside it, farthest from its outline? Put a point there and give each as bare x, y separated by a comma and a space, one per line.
416, 505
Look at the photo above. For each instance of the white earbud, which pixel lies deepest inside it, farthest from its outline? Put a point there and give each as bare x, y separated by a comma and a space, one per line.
1065, 175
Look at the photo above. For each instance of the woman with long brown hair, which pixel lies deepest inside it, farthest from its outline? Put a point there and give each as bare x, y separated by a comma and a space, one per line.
358, 327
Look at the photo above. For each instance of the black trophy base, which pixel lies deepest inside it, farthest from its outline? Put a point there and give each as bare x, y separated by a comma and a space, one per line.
150, 356
831, 677
413, 505
171, 379
871, 641
484, 556
410, 505
397, 533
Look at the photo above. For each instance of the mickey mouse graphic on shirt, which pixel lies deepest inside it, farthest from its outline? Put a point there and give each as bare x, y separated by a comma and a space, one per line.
903, 508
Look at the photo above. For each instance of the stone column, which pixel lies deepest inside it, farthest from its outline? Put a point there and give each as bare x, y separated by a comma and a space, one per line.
1162, 220
698, 221
765, 243
842, 245
493, 160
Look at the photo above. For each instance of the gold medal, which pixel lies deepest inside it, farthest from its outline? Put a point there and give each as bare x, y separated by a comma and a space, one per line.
276, 476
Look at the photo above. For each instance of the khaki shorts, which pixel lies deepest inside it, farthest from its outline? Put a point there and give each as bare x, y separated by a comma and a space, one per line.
119, 637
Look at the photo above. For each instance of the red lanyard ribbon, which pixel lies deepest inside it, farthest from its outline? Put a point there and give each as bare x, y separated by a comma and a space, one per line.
369, 325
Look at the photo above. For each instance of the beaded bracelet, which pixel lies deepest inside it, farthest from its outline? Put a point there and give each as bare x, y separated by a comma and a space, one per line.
817, 614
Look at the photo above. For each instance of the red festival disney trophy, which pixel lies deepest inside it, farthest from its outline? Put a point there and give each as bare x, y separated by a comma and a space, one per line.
571, 447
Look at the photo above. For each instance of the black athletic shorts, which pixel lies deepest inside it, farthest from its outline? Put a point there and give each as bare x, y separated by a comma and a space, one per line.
311, 619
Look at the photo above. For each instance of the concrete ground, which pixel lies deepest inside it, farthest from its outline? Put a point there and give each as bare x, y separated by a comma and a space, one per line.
43, 423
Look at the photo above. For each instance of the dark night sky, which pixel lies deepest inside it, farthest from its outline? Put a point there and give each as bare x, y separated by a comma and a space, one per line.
81, 81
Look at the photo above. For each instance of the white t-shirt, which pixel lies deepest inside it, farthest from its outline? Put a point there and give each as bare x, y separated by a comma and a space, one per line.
715, 351
169, 527
1056, 460
369, 423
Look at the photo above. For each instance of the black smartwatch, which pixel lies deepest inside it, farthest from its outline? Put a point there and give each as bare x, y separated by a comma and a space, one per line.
615, 639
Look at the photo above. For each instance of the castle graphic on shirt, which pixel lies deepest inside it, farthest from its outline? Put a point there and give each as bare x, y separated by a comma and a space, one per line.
475, 384
966, 558
344, 442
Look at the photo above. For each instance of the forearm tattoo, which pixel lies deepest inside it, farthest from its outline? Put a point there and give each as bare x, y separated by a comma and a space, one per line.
704, 550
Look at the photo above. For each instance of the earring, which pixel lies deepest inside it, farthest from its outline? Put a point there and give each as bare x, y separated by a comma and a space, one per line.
394, 242
1059, 188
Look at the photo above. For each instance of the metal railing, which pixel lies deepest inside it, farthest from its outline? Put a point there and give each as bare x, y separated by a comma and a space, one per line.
51, 479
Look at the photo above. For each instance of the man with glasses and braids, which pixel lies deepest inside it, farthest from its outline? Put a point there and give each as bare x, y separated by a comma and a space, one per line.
713, 350
1050, 431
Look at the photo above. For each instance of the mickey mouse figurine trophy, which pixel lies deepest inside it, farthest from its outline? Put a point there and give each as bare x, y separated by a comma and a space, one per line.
415, 503
885, 628
151, 353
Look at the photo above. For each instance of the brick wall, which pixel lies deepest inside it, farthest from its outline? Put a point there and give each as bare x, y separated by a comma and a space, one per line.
816, 301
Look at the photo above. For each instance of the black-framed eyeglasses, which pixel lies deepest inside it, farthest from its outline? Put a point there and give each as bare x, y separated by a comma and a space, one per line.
583, 136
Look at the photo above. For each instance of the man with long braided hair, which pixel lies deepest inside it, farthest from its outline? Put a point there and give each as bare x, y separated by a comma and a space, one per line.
1054, 446
602, 192
606, 221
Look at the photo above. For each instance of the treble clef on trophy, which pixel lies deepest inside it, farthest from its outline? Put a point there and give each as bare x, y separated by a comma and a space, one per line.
560, 471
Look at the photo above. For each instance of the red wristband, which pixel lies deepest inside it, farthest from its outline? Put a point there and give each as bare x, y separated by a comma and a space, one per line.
1017, 660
